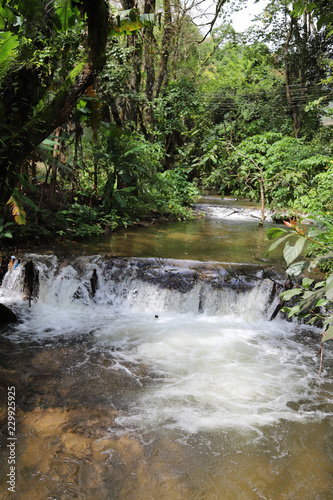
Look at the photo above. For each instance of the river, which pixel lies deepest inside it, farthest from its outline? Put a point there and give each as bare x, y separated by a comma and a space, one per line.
168, 380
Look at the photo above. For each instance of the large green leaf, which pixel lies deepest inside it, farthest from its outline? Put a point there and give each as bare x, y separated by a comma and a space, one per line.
310, 299
291, 252
7, 17
8, 43
289, 294
329, 288
16, 207
274, 232
328, 334
297, 268
278, 242
66, 15
307, 282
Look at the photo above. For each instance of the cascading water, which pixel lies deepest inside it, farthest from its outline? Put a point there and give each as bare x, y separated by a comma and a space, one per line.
181, 353
218, 359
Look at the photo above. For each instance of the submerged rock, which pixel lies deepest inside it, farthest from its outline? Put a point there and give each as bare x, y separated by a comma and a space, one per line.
6, 315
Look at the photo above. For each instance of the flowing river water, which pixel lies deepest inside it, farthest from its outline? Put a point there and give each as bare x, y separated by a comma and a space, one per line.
149, 368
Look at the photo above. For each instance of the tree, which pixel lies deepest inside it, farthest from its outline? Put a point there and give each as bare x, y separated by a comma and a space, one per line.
30, 120
39, 89
303, 42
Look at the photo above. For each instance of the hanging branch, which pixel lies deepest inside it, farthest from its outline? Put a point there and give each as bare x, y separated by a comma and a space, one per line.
218, 9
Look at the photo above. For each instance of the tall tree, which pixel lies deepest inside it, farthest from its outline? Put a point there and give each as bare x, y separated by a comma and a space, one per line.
38, 120
303, 41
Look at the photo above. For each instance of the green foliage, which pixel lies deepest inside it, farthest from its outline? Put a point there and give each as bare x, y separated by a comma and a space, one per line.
176, 106
288, 166
318, 198
322, 10
158, 116
312, 297
176, 190
78, 222
243, 87
5, 231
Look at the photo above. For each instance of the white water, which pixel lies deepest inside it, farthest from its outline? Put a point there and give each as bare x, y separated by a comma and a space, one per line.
213, 358
233, 213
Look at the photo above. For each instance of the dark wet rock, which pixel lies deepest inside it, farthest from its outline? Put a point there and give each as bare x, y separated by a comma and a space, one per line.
31, 280
182, 276
6, 315
3, 267
94, 282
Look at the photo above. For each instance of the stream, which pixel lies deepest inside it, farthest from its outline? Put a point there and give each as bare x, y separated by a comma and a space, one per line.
149, 368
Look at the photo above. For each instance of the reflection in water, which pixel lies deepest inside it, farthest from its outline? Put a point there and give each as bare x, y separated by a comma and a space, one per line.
226, 232
204, 240
144, 391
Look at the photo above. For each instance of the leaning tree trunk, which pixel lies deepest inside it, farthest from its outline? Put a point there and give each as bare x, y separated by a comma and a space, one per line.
38, 128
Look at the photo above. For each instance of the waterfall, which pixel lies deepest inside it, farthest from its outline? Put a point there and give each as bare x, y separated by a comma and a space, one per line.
144, 285
201, 333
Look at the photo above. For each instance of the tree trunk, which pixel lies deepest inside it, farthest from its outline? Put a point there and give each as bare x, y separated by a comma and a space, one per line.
292, 105
149, 67
53, 183
38, 128
165, 48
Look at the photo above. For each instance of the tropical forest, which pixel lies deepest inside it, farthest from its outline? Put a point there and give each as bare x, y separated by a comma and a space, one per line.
166, 233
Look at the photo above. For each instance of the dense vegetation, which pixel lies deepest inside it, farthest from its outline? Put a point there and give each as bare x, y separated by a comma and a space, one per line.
109, 118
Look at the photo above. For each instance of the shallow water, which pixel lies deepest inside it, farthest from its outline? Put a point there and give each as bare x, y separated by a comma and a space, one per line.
170, 382
226, 232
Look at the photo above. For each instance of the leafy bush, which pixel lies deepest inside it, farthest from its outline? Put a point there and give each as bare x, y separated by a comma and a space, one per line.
288, 167
311, 296
79, 221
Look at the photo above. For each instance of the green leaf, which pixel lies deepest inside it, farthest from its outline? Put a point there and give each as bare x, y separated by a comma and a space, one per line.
291, 252
310, 300
319, 259
8, 43
324, 222
307, 282
128, 189
67, 15
277, 243
135, 150
328, 334
7, 17
293, 311
289, 294
84, 110
314, 231
320, 284
120, 199
322, 302
25, 199
329, 288
17, 209
297, 268
274, 232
